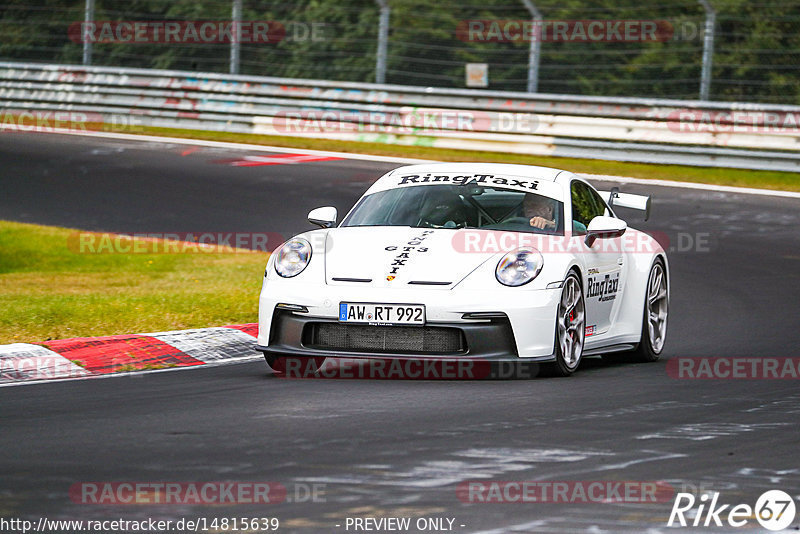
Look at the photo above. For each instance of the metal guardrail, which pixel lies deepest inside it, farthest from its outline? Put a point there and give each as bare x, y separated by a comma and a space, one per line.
751, 136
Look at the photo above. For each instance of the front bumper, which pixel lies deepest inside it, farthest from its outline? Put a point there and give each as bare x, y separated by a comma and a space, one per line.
527, 331
295, 334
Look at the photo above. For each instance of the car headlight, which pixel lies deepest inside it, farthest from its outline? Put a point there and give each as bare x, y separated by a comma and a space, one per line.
293, 257
519, 266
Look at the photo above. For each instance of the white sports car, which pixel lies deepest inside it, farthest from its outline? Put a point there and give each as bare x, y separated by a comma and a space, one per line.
469, 261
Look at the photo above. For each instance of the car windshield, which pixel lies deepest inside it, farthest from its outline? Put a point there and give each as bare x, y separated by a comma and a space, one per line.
460, 206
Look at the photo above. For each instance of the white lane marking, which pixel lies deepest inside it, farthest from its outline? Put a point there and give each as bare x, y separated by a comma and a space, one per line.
26, 362
569, 473
392, 159
692, 185
504, 455
478, 464
239, 146
625, 465
135, 374
707, 431
210, 344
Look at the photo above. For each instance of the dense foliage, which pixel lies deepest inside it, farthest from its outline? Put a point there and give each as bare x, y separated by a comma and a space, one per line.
756, 47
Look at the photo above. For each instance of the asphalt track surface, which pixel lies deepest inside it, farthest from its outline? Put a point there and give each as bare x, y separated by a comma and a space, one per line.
399, 448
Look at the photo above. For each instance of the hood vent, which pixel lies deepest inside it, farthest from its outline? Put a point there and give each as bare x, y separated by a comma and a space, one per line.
428, 283
358, 280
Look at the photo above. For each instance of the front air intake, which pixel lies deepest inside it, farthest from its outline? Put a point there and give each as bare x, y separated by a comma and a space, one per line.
384, 339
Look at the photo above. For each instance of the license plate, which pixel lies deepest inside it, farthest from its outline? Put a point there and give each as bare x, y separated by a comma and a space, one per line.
382, 314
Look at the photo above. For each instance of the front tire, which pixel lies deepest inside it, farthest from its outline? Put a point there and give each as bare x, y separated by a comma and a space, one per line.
570, 327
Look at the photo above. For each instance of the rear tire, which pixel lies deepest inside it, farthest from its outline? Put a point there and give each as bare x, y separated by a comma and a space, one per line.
656, 311
654, 319
570, 327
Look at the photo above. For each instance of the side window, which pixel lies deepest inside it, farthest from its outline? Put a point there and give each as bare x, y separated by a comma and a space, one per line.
586, 205
602, 208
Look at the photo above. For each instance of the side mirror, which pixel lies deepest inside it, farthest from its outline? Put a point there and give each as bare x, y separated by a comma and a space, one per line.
324, 217
604, 227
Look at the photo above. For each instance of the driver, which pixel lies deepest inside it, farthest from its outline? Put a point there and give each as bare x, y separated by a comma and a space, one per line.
539, 210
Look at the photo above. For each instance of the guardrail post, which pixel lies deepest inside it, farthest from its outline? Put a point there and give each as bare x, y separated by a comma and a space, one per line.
383, 38
535, 48
708, 48
88, 17
236, 18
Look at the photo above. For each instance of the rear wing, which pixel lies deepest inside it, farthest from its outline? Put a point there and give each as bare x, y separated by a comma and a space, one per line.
627, 200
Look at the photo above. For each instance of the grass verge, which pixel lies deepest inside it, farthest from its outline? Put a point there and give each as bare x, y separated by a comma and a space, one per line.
786, 181
49, 290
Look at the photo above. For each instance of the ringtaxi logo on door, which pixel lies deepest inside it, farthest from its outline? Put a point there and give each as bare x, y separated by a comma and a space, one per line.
774, 510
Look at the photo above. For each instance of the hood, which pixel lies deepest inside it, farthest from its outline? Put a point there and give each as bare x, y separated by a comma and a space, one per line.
397, 256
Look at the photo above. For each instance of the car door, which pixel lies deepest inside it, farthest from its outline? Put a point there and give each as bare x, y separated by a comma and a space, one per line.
603, 261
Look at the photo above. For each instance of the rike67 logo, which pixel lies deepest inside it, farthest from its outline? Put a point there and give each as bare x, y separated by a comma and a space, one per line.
774, 510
